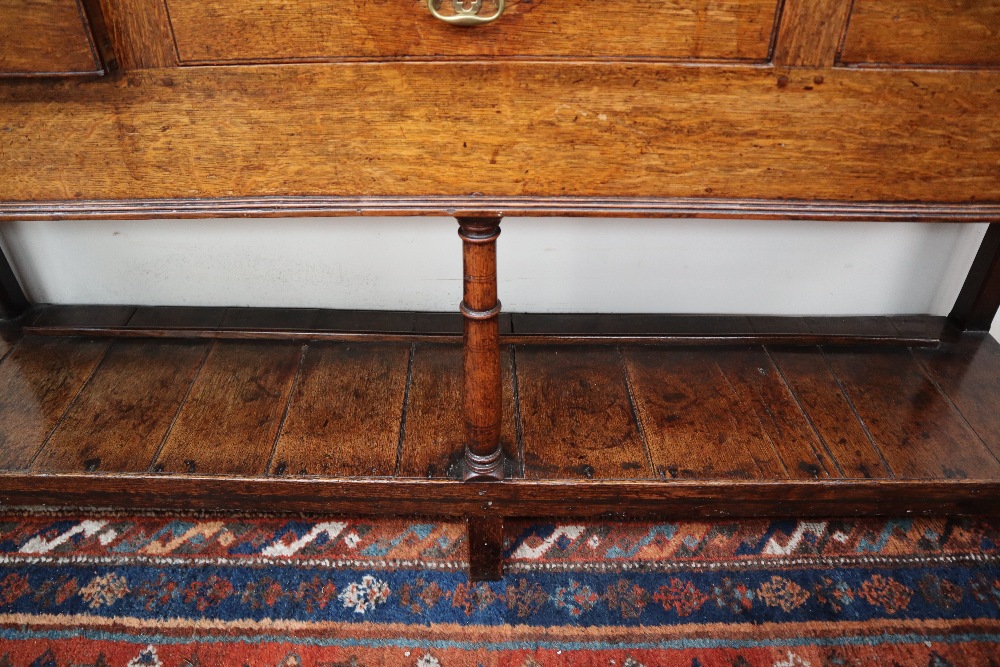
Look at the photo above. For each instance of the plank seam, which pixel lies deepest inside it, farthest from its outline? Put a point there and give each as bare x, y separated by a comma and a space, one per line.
406, 405
756, 415
635, 413
940, 390
809, 420
857, 415
71, 405
288, 406
180, 407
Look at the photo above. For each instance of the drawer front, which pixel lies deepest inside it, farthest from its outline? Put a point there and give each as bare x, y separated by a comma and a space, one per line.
297, 30
923, 32
44, 38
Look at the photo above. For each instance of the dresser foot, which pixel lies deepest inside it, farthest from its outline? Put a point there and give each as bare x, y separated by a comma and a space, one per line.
485, 548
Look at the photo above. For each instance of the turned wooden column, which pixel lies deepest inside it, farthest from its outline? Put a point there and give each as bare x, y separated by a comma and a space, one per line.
481, 384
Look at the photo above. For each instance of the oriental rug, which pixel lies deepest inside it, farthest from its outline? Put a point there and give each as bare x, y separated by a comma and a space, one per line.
110, 588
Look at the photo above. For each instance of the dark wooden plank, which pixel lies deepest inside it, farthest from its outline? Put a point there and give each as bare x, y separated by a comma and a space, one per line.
230, 420
120, 418
383, 321
844, 437
969, 373
711, 133
762, 392
38, 382
810, 32
771, 324
270, 319
978, 301
12, 299
918, 431
485, 548
438, 323
176, 317
82, 317
694, 422
576, 415
515, 498
929, 327
852, 326
434, 427
344, 417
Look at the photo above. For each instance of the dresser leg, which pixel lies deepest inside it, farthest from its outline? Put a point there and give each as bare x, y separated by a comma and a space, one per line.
485, 548
12, 299
481, 384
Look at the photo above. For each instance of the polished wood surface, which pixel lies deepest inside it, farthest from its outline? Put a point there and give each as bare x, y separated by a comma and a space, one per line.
924, 32
533, 328
811, 32
620, 131
45, 38
256, 410
216, 31
482, 386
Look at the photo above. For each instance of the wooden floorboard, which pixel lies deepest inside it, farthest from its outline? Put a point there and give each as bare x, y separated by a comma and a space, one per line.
433, 430
229, 421
917, 429
343, 420
694, 423
120, 417
844, 437
576, 418
969, 373
38, 382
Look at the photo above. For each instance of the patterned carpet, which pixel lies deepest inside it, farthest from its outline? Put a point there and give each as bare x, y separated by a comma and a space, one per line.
102, 588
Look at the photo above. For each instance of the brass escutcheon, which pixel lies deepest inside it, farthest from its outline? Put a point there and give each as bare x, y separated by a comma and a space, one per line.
466, 12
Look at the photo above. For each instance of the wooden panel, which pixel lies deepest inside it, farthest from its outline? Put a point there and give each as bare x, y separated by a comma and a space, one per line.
140, 33
969, 373
45, 37
273, 319
230, 420
82, 317
924, 32
853, 452
344, 417
38, 382
509, 129
694, 422
810, 32
176, 317
576, 415
918, 431
434, 426
763, 393
253, 30
121, 416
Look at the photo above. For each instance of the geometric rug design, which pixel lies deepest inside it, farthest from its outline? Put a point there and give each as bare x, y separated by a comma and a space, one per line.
92, 587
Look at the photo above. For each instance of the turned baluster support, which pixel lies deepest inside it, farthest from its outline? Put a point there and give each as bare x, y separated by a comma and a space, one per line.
481, 385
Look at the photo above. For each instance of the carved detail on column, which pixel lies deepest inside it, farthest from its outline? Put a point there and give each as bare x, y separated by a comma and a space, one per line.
481, 388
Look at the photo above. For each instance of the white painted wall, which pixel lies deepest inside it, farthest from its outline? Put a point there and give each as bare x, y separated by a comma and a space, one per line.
546, 265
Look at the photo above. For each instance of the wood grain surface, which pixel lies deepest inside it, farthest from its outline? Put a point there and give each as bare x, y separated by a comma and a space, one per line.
343, 419
811, 32
231, 418
38, 382
45, 37
275, 30
534, 130
122, 415
924, 32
